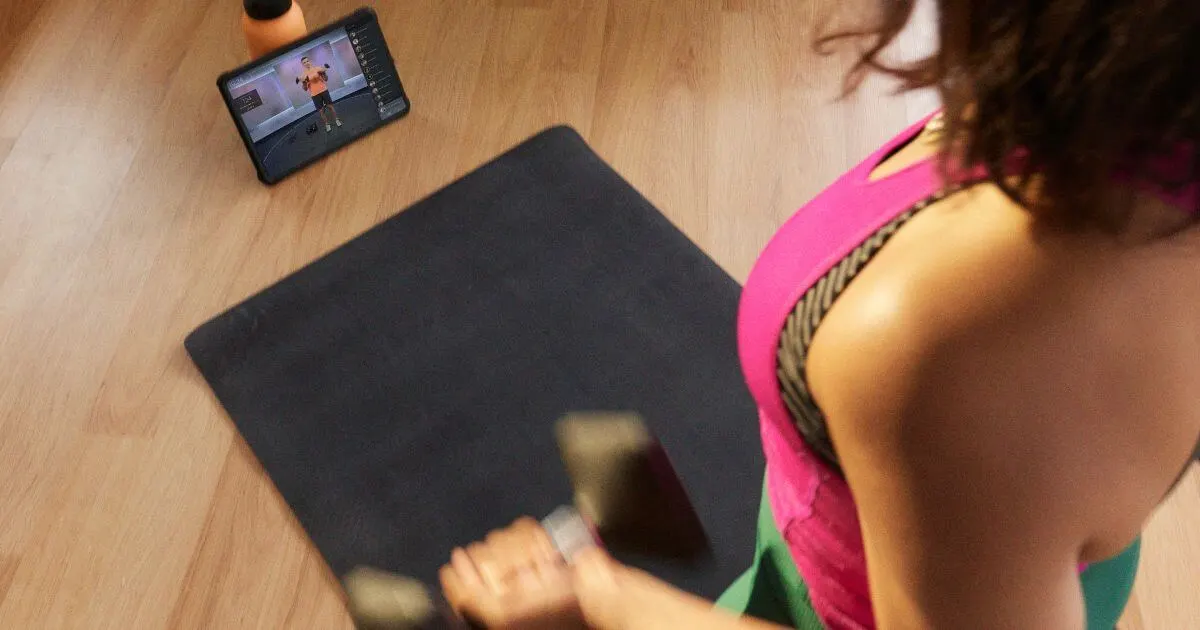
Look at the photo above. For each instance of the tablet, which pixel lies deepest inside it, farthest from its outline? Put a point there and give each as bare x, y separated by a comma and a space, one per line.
302, 102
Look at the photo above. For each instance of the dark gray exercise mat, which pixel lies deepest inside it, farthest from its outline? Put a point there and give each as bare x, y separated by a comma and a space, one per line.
401, 391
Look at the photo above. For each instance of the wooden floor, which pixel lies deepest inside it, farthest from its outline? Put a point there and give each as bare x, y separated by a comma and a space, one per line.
129, 214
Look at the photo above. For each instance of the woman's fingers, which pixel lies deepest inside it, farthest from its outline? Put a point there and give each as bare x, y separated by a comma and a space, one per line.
514, 578
538, 542
468, 596
539, 597
452, 587
528, 544
467, 575
491, 562
595, 568
503, 553
598, 585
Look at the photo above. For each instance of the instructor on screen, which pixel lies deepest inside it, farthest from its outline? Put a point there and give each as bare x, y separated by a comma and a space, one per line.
314, 82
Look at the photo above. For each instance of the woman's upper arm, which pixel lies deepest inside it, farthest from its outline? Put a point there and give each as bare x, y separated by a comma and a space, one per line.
964, 521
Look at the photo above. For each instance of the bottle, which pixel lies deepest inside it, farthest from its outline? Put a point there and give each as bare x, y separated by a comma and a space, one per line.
269, 24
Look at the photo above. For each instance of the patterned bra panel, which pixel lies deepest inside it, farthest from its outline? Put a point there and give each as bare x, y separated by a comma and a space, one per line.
802, 324
810, 310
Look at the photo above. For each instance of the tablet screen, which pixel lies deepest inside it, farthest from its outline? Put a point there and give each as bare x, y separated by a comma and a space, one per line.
312, 98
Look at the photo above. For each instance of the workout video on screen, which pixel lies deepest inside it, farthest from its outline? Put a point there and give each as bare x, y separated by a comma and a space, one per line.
311, 100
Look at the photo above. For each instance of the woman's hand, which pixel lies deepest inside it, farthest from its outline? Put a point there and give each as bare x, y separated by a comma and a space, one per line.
513, 580
516, 580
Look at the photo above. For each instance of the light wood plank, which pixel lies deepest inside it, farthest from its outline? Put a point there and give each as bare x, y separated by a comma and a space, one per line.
8, 568
1169, 576
291, 587
535, 55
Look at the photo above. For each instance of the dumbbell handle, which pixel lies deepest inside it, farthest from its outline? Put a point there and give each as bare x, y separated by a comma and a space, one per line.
570, 532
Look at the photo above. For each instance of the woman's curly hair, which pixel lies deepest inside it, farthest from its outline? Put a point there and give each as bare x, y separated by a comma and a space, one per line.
1085, 90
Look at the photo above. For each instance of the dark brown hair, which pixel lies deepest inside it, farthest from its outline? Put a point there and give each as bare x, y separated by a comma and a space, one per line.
1085, 89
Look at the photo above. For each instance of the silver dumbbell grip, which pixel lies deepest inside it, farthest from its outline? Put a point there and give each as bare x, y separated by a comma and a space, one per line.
570, 532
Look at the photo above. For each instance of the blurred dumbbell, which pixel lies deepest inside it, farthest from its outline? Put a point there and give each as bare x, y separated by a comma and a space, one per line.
627, 498
626, 488
379, 600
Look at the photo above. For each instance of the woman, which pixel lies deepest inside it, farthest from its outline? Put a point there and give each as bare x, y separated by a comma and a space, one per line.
975, 355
